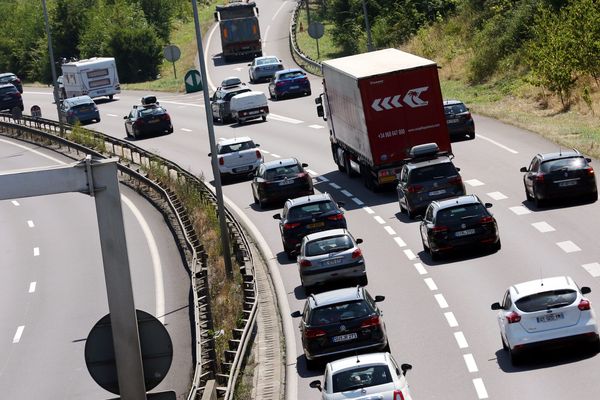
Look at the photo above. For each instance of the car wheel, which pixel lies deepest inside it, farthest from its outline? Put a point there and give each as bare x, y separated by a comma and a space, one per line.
240, 121
255, 199
516, 358
425, 248
387, 348
527, 195
593, 197
411, 214
308, 93
312, 364
363, 281
261, 204
264, 118
435, 255
497, 245
504, 345
98, 119
539, 203
351, 173
110, 97
308, 290
251, 78
290, 256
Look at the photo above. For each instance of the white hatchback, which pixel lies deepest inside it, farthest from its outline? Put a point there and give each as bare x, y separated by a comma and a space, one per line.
545, 312
366, 376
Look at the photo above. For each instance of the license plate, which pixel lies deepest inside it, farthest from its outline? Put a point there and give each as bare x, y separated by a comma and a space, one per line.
335, 261
567, 183
466, 232
84, 110
252, 112
315, 225
241, 169
453, 121
550, 317
436, 192
345, 338
6, 98
295, 87
154, 121
101, 91
286, 182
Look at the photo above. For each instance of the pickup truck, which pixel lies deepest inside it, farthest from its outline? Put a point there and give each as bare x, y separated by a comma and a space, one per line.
238, 157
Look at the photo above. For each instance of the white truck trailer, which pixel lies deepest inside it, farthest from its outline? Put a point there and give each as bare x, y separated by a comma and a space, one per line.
95, 77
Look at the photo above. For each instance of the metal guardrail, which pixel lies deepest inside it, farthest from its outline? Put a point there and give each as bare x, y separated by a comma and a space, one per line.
132, 162
304, 61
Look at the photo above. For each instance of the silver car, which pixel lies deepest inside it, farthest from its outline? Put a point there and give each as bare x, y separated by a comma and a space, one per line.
329, 256
264, 68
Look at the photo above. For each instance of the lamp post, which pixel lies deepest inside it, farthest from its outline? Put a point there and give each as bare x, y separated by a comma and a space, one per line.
52, 67
367, 26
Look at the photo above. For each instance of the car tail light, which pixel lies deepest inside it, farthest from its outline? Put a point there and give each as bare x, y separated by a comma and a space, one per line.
584, 305
590, 171
456, 180
468, 116
280, 84
166, 117
17, 80
513, 317
291, 225
302, 175
17, 95
438, 229
539, 177
312, 333
264, 109
414, 188
336, 217
486, 220
221, 161
257, 68
357, 253
258, 155
398, 395
305, 263
372, 321
303, 79
138, 122
70, 113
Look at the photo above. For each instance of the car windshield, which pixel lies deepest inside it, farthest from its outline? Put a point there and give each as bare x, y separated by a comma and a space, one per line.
147, 111
432, 172
270, 60
460, 213
455, 109
310, 209
359, 377
328, 245
232, 148
340, 312
564, 164
546, 300
8, 89
291, 75
282, 171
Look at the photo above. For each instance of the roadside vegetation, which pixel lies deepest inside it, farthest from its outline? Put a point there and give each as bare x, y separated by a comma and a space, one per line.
531, 63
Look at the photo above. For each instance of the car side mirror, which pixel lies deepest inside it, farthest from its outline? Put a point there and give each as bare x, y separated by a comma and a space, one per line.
316, 385
359, 241
458, 169
277, 216
210, 154
379, 299
405, 368
296, 314
496, 306
488, 205
249, 65
588, 159
523, 169
216, 15
304, 165
585, 290
320, 112
256, 145
318, 100
341, 204
125, 117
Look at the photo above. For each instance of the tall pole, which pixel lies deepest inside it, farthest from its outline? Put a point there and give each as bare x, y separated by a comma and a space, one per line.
213, 149
52, 67
367, 26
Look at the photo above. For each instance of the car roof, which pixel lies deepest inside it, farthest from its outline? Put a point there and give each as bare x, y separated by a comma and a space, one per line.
282, 162
266, 58
336, 296
560, 154
5, 74
3, 85
78, 100
298, 201
439, 159
452, 102
325, 234
252, 93
359, 360
240, 139
542, 285
456, 201
285, 71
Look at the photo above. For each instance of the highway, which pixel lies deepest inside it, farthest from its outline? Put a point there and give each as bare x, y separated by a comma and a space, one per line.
437, 313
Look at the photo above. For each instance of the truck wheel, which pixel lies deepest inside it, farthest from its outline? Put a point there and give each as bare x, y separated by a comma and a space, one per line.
351, 173
367, 178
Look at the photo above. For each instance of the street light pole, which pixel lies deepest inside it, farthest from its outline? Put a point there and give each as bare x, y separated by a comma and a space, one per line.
213, 149
367, 26
53, 68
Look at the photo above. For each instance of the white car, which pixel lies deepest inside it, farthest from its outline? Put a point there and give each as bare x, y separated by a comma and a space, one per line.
366, 376
238, 157
545, 312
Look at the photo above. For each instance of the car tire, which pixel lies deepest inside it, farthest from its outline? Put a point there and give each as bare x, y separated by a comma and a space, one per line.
411, 214
312, 364
363, 281
593, 197
308, 290
497, 245
504, 345
351, 173
261, 204
527, 195
289, 254
387, 349
127, 133
240, 121
539, 203
435, 255
255, 199
110, 97
97, 119
264, 118
516, 358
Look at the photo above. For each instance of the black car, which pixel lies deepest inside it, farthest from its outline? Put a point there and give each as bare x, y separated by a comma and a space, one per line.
279, 180
457, 223
308, 214
9, 77
147, 118
428, 175
459, 120
339, 322
220, 100
10, 97
565, 174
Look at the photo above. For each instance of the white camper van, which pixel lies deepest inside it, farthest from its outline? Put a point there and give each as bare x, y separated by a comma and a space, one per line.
94, 77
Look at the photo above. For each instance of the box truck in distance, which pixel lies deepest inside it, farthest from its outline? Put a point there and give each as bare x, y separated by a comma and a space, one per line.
240, 31
377, 106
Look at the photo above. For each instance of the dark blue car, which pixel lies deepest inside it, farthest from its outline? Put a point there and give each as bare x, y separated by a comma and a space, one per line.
287, 82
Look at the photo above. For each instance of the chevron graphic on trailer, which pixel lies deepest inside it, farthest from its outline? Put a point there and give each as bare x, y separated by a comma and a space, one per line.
411, 99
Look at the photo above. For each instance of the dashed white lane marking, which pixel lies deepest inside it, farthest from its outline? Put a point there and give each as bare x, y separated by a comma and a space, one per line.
498, 144
441, 300
593, 269
275, 155
334, 185
471, 364
452, 322
520, 210
32, 287
568, 246
17, 337
36, 251
400, 242
185, 129
265, 151
313, 173
409, 254
497, 196
316, 126
15, 203
461, 340
346, 193
479, 386
112, 115
323, 179
379, 219
358, 201
284, 119
474, 182
430, 283
389, 230
369, 210
420, 269
30, 224
543, 227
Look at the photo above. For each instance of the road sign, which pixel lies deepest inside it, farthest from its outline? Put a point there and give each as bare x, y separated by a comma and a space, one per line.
36, 111
155, 344
171, 52
316, 30
193, 82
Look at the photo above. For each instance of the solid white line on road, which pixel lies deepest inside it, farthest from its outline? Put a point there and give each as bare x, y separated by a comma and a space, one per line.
39, 153
520, 210
389, 230
275, 155
32, 287
285, 119
358, 201
568, 246
209, 40
277, 12
17, 337
479, 386
461, 340
420, 268
430, 284
497, 196
346, 193
498, 144
452, 322
543, 227
265, 151
36, 251
310, 171
15, 203
112, 115
400, 242
334, 185
441, 300
409, 254
30, 224
593, 269
474, 182
185, 129
369, 210
379, 219
316, 126
471, 364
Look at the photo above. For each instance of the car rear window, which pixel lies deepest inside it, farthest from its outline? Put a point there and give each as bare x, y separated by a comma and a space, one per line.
455, 109
359, 377
147, 111
544, 300
85, 106
328, 245
231, 148
564, 164
340, 312
432, 172
290, 75
460, 213
264, 61
310, 209
282, 171
7, 90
